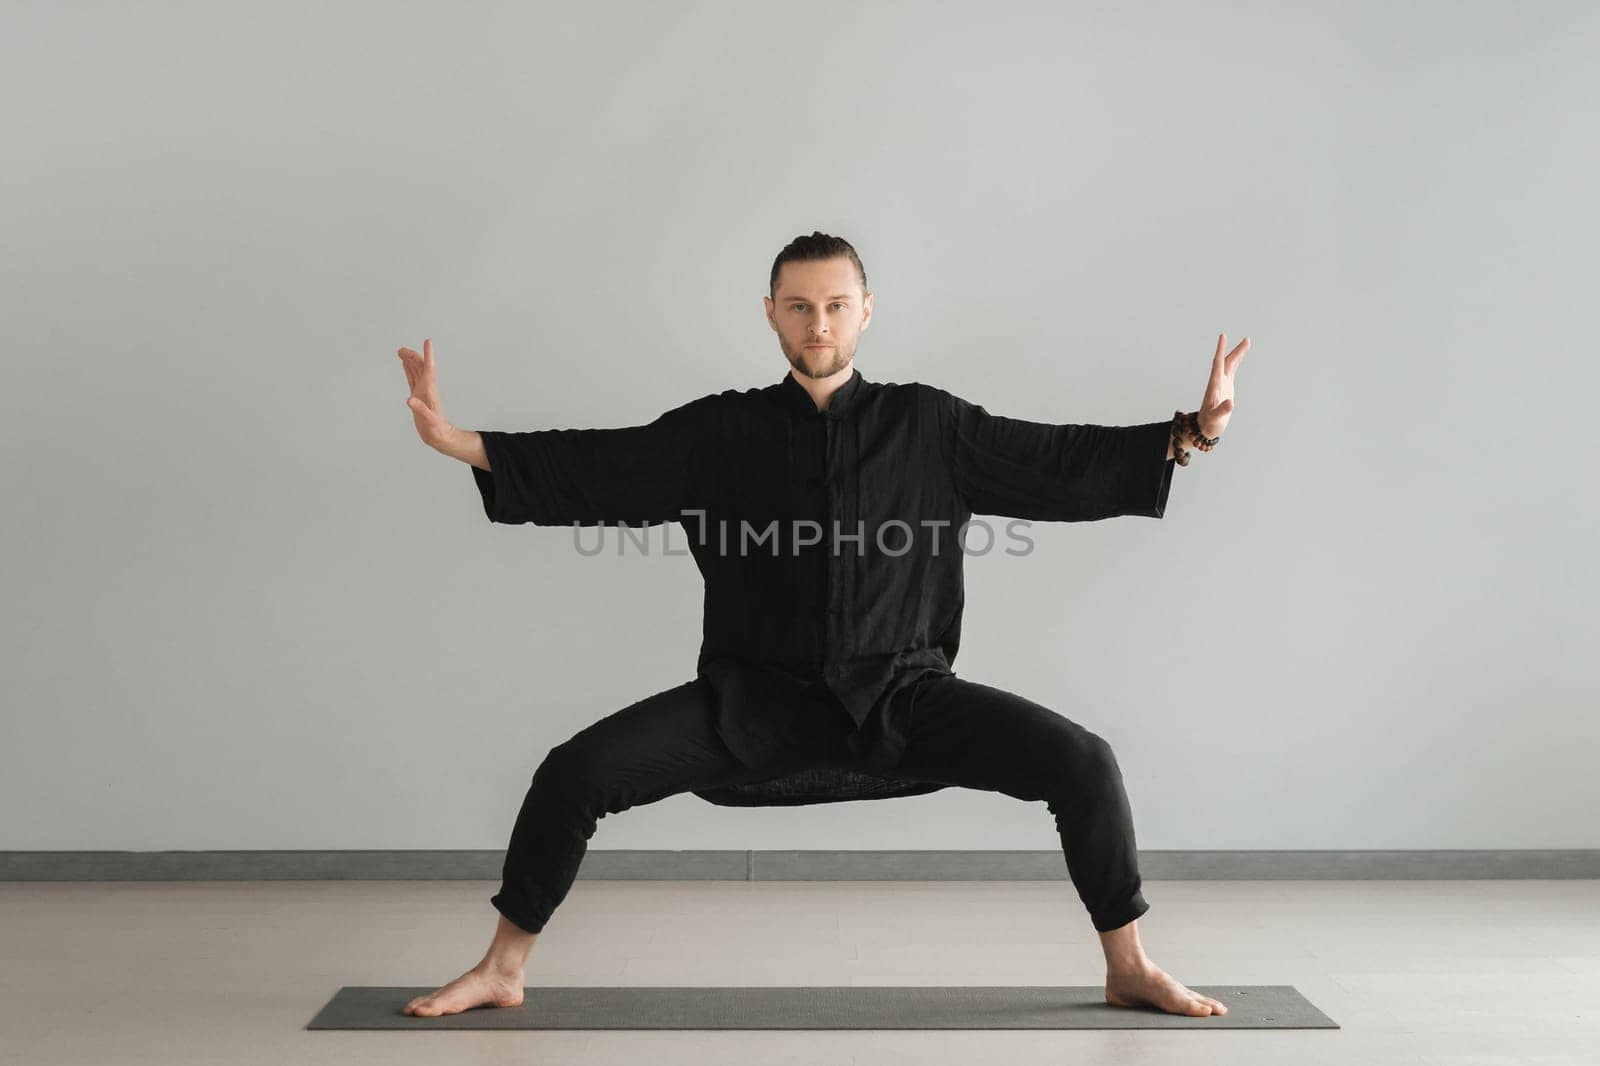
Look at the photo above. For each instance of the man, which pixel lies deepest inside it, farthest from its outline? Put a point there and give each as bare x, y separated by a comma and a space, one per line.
825, 666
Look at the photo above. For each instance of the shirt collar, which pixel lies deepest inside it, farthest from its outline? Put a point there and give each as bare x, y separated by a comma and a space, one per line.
796, 399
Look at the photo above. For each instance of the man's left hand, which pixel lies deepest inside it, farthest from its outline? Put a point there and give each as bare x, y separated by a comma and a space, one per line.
1217, 407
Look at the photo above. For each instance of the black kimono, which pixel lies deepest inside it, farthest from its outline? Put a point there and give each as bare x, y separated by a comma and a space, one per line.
828, 540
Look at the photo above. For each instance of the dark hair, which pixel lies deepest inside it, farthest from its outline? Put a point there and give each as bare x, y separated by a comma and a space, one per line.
817, 246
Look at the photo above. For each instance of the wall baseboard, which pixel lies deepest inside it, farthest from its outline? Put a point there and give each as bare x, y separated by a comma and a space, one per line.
623, 865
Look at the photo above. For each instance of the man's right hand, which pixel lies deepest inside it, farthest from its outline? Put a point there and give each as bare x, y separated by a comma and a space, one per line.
426, 411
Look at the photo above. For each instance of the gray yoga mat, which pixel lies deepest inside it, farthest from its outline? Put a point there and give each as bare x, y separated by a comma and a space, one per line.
811, 1007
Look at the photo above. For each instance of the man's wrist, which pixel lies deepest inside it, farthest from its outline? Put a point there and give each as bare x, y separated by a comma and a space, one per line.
465, 445
1184, 437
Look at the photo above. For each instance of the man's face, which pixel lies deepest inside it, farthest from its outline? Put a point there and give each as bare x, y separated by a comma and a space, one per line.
819, 314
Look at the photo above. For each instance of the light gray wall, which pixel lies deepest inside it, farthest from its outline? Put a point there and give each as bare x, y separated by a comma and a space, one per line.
247, 609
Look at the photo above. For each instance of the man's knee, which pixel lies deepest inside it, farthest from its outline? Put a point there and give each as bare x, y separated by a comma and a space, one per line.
571, 771
1090, 763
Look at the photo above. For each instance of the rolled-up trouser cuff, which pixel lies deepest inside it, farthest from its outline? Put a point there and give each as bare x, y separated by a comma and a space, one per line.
1110, 920
518, 915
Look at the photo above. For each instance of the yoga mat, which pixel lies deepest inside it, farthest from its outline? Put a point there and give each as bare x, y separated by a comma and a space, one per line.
813, 1007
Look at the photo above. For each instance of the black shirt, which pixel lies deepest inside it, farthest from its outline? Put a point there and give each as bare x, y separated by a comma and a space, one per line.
829, 541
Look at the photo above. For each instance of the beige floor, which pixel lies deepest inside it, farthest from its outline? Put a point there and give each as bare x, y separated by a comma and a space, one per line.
1453, 972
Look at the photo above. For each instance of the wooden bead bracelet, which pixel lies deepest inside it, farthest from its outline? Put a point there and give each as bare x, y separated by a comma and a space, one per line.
1186, 424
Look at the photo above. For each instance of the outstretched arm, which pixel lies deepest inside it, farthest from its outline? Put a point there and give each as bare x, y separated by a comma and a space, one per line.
1070, 472
1061, 473
630, 475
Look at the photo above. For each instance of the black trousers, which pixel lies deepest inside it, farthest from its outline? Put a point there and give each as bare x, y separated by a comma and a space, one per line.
958, 732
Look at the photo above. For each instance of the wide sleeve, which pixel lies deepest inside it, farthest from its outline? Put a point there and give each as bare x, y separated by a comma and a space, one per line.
1062, 473
631, 475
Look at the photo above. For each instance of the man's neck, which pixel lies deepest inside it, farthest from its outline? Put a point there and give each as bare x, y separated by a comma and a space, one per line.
821, 390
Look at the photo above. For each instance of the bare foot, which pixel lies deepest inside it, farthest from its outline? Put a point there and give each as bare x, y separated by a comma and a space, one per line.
475, 988
1153, 986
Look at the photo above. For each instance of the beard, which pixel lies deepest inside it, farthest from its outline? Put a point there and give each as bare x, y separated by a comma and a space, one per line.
818, 362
